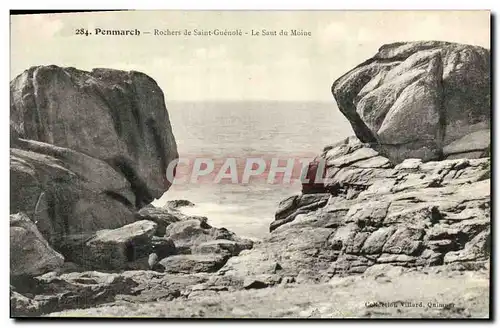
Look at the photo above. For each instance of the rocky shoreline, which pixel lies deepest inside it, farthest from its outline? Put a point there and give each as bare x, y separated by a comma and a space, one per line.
84, 242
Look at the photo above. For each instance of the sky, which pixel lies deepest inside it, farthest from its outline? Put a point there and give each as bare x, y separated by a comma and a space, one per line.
216, 68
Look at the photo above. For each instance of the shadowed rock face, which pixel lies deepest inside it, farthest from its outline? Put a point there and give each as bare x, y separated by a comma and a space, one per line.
115, 116
66, 192
428, 100
87, 148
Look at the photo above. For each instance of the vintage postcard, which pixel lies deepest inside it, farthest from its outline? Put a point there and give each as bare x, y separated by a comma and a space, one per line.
250, 164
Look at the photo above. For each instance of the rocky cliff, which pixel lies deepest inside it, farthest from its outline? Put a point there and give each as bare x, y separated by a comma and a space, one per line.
372, 212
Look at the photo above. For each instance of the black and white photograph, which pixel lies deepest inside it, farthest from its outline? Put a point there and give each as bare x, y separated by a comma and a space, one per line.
219, 164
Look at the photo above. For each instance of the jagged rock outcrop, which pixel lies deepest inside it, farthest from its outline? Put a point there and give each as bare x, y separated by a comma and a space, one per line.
199, 246
88, 149
202, 250
371, 212
22, 306
375, 211
164, 216
429, 100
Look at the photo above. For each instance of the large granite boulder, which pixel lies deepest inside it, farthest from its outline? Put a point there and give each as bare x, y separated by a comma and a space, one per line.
30, 253
428, 100
88, 149
116, 116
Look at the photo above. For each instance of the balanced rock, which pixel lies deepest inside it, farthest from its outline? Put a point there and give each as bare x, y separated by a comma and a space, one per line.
428, 100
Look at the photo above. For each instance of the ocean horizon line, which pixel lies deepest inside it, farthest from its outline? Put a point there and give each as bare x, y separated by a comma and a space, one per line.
252, 101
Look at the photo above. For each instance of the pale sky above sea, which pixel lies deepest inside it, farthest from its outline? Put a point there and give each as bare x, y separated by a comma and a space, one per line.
217, 68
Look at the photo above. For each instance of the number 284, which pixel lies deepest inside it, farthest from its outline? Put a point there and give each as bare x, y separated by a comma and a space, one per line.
82, 31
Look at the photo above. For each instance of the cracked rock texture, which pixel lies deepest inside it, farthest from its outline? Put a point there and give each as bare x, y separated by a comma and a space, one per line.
370, 212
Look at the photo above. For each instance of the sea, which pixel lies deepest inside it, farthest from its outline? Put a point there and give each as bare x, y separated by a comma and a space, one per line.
248, 129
